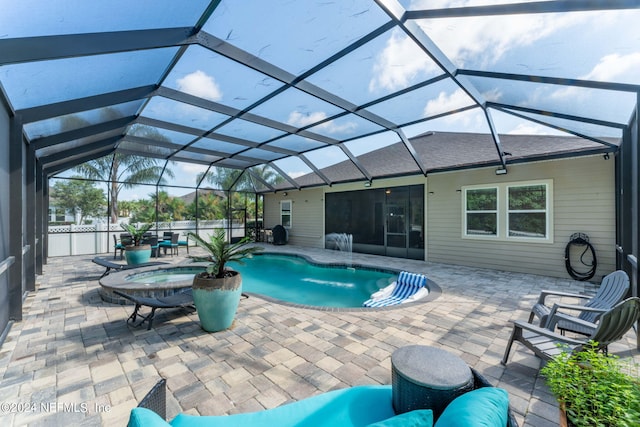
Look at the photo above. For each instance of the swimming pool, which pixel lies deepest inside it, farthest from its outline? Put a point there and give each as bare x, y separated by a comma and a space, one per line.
290, 278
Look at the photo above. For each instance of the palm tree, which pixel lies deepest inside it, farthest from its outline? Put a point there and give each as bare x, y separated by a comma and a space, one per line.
123, 171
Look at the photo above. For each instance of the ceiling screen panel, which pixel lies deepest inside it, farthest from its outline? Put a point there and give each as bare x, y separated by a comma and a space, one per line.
600, 46
582, 128
249, 131
29, 18
183, 114
438, 4
46, 82
387, 64
217, 145
208, 75
161, 135
335, 164
293, 35
296, 108
296, 143
577, 101
79, 120
346, 127
437, 98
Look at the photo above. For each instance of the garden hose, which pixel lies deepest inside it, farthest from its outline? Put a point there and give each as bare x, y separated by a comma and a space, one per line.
580, 239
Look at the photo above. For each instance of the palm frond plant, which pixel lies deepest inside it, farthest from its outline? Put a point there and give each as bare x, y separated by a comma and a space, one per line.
220, 252
137, 232
217, 291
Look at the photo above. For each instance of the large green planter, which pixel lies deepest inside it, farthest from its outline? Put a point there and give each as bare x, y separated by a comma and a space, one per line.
137, 254
217, 301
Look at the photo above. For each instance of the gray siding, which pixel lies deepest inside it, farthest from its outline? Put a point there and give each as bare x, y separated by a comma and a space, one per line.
583, 201
307, 215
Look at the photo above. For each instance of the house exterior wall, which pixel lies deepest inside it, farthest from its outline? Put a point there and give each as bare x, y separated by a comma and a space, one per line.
583, 201
307, 215
308, 208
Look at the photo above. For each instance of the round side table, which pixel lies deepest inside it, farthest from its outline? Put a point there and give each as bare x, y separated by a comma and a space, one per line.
426, 377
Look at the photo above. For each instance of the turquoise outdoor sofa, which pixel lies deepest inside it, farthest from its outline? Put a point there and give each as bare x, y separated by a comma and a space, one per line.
359, 406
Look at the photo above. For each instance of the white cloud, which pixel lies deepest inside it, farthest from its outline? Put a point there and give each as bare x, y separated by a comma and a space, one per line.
612, 68
192, 168
530, 129
200, 84
296, 174
481, 41
447, 102
616, 67
300, 119
398, 64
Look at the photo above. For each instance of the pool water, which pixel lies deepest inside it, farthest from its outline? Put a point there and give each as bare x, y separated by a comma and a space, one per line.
292, 279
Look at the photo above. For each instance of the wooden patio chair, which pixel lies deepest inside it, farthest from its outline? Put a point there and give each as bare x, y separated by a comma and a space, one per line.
546, 344
613, 289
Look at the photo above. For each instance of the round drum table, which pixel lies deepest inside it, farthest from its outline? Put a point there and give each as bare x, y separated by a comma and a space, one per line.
426, 377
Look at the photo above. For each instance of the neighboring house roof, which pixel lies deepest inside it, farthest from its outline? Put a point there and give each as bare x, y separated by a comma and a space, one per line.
445, 151
191, 197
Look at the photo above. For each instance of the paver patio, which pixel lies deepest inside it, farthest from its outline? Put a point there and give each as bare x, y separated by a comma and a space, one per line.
72, 360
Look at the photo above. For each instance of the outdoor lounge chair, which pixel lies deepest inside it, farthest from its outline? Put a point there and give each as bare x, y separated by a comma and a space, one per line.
179, 300
118, 267
547, 344
409, 287
356, 406
613, 289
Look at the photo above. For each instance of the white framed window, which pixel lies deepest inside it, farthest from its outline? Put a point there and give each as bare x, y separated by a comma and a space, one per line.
285, 213
481, 212
528, 211
513, 211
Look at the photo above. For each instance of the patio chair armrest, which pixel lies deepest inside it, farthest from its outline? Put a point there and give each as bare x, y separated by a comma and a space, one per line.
575, 307
545, 293
519, 324
553, 321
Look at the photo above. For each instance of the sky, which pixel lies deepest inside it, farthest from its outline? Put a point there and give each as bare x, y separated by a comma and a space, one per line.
297, 35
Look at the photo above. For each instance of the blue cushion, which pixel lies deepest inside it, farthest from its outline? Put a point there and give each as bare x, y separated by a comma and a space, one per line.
355, 406
143, 417
417, 418
483, 407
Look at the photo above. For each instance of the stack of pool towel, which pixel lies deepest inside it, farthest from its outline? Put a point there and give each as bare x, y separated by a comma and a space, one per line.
409, 287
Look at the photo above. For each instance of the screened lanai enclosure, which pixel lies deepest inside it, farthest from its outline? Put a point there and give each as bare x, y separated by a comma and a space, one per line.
226, 101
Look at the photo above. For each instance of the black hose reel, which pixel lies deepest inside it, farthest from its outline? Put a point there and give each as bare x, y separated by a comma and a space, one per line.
578, 241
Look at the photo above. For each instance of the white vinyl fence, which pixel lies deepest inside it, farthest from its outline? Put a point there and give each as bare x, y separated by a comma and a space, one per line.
98, 238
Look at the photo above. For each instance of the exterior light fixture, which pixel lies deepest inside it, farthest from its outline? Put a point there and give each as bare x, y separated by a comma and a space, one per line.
501, 171
285, 193
367, 184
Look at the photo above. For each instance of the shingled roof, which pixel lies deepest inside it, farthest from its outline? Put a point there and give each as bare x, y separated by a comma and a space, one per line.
446, 151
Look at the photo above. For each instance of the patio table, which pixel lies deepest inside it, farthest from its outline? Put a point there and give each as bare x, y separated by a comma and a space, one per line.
425, 377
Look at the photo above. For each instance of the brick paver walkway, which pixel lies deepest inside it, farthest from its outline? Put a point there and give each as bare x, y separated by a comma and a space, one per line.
72, 360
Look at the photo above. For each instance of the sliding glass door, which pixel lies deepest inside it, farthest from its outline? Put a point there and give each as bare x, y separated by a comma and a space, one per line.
382, 221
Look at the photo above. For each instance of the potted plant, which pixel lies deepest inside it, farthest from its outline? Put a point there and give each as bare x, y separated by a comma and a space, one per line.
136, 252
593, 388
217, 291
